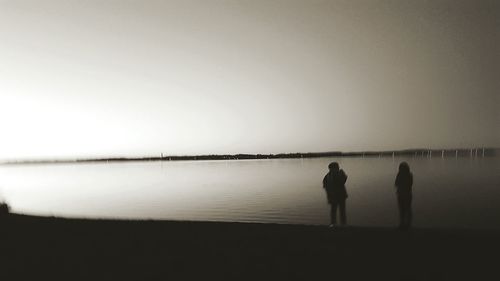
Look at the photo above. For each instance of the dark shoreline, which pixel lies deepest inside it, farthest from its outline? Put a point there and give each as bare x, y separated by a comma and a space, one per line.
45, 248
423, 152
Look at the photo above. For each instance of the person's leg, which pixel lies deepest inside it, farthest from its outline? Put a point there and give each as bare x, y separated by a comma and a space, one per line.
333, 212
409, 215
406, 211
401, 208
343, 216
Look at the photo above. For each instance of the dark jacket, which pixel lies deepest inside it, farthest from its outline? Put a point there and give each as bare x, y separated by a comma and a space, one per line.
403, 183
334, 184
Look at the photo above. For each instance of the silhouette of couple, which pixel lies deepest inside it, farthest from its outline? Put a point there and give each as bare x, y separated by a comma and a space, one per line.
334, 185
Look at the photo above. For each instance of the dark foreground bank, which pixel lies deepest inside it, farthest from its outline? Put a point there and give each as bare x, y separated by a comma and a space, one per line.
36, 248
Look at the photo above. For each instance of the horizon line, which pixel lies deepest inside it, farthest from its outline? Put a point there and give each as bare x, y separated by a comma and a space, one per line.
474, 151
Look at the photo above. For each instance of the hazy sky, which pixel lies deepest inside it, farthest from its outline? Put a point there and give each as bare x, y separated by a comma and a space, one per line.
95, 78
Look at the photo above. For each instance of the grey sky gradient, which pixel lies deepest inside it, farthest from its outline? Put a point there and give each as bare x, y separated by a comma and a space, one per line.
128, 78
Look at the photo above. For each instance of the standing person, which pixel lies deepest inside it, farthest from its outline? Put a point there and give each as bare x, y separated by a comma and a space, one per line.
334, 185
403, 183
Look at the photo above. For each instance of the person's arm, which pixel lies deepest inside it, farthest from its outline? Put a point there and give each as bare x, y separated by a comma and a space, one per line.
344, 176
325, 181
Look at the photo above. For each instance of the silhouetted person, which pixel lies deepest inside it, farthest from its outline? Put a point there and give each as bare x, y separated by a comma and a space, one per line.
334, 185
404, 182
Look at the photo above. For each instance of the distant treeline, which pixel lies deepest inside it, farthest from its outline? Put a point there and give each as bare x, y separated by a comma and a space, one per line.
475, 152
462, 152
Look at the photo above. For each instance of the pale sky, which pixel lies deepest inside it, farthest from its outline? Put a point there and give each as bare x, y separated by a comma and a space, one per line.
131, 78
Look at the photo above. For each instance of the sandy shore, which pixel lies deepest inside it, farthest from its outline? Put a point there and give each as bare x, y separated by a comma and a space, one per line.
38, 248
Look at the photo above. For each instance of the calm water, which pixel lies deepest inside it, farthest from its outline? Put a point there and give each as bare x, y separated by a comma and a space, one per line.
463, 192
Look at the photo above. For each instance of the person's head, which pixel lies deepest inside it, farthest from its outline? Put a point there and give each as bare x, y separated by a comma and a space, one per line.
404, 167
334, 167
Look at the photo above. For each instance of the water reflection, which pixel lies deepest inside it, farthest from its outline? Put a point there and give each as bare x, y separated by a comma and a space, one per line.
447, 192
